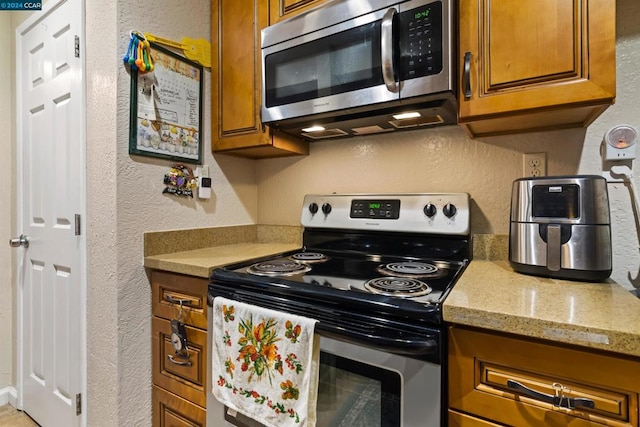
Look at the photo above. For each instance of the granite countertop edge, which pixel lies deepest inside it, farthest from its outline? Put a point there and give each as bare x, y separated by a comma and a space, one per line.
491, 295
488, 295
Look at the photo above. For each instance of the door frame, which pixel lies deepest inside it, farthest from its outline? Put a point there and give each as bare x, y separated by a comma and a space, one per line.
32, 20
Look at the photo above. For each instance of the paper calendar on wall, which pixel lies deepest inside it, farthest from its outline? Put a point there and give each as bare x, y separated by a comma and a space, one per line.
166, 108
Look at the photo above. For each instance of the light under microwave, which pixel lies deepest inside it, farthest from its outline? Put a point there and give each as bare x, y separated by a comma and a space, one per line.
360, 67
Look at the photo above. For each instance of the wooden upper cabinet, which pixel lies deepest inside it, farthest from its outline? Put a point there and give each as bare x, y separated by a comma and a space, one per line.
283, 9
236, 83
527, 66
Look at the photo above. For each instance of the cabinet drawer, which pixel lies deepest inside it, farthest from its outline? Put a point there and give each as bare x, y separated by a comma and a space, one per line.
170, 410
521, 382
456, 419
168, 289
185, 377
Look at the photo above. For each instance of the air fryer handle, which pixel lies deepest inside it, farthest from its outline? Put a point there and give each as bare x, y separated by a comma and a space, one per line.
554, 241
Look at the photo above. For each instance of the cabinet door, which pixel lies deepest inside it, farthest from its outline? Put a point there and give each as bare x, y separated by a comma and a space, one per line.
173, 411
236, 83
513, 381
457, 419
535, 65
179, 296
186, 377
283, 9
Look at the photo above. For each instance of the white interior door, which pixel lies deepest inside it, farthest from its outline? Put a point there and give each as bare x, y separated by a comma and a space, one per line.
51, 186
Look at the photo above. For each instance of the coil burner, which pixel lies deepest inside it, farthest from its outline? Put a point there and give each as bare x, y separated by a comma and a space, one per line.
411, 269
309, 257
398, 287
276, 268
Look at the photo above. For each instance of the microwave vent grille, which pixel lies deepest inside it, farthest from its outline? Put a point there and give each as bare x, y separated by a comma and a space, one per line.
418, 121
368, 130
328, 133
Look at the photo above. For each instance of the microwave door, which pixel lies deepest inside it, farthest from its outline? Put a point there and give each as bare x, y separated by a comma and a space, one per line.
335, 68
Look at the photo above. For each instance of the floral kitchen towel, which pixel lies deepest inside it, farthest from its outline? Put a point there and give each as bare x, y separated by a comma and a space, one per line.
265, 363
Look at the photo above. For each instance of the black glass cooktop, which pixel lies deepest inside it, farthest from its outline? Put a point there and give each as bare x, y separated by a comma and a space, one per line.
421, 280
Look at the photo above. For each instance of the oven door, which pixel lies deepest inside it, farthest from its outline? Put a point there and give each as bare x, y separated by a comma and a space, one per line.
360, 386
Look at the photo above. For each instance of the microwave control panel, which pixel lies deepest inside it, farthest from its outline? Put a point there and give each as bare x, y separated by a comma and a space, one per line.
421, 41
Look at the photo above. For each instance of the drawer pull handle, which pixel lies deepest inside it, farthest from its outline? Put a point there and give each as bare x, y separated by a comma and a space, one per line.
180, 301
173, 360
557, 401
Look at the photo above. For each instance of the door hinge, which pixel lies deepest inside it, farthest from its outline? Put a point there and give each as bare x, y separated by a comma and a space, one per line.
78, 225
77, 46
78, 404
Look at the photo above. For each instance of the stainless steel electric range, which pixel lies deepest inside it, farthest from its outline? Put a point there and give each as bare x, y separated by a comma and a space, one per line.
374, 270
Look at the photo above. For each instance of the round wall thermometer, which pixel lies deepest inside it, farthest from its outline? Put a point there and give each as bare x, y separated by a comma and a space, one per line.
621, 142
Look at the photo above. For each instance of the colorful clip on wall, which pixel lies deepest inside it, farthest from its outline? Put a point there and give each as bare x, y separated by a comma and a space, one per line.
138, 55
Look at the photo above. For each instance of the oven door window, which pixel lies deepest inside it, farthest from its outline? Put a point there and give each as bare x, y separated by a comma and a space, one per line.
352, 393
335, 64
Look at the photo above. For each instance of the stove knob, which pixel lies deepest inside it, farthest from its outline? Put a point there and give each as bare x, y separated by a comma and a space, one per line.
449, 210
326, 208
313, 208
430, 210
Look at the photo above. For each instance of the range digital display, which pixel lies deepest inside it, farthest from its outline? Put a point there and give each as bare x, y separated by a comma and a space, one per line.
375, 209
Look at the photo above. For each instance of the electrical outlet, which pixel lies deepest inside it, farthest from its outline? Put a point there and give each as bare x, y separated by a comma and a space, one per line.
534, 164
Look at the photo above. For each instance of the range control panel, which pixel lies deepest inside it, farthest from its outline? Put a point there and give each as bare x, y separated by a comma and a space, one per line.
375, 208
437, 213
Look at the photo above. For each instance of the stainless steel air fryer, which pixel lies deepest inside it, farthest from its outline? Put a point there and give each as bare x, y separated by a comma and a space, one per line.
560, 227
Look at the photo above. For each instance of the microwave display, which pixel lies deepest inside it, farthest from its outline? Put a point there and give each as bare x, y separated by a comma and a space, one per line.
556, 201
421, 41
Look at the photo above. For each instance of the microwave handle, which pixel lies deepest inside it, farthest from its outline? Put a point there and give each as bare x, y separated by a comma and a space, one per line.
386, 53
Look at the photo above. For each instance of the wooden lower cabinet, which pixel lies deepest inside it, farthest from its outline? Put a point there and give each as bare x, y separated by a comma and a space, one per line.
179, 382
186, 378
504, 380
170, 410
457, 419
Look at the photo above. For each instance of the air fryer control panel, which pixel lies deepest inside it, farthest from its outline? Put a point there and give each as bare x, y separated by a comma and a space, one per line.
556, 201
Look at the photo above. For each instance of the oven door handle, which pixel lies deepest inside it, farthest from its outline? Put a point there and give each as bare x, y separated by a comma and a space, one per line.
414, 346
348, 328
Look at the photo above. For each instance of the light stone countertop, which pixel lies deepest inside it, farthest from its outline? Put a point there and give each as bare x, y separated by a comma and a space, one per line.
490, 295
198, 251
200, 262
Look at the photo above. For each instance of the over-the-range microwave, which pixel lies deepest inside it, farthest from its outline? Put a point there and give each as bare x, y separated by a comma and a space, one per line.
354, 67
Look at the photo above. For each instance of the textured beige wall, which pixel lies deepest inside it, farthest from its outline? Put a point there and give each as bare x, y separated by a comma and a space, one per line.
445, 159
6, 223
125, 199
